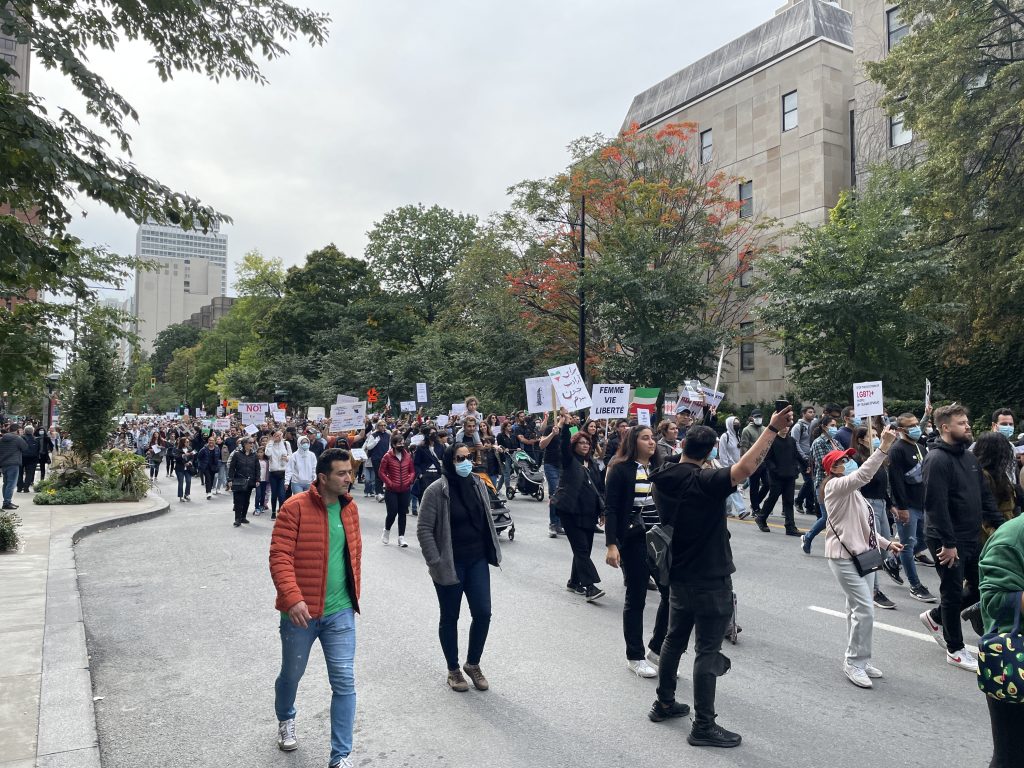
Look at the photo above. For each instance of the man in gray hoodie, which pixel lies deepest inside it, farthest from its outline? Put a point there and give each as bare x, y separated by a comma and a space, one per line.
758, 480
12, 446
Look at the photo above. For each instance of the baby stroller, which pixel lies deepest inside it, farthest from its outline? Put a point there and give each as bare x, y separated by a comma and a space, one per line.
499, 511
527, 475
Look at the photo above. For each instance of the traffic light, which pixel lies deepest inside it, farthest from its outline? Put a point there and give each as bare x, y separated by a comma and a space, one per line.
152, 381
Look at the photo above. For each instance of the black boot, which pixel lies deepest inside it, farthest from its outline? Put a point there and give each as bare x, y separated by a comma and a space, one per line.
761, 524
713, 735
973, 615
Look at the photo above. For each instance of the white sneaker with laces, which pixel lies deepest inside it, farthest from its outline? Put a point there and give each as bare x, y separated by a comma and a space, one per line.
641, 668
873, 672
401, 541
345, 762
934, 629
380, 497
385, 536
858, 676
963, 659
286, 735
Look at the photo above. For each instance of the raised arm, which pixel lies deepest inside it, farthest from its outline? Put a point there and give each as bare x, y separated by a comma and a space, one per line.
755, 456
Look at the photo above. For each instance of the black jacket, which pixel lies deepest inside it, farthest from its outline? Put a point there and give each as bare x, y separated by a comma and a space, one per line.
620, 485
243, 470
572, 482
783, 460
956, 498
31, 450
12, 447
903, 457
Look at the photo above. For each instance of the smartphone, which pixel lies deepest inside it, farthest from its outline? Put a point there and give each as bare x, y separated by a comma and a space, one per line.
781, 405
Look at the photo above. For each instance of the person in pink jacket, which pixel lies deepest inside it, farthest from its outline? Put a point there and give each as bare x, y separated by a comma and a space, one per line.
851, 530
397, 473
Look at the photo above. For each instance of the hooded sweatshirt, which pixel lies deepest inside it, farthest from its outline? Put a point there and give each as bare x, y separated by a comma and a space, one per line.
956, 498
729, 445
301, 466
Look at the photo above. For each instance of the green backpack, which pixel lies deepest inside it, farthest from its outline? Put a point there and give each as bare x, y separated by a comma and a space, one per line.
1001, 659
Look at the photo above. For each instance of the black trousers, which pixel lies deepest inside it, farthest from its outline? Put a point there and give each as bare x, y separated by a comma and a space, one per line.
580, 533
28, 474
209, 477
708, 609
953, 595
241, 503
636, 574
784, 488
806, 498
397, 505
758, 488
1007, 733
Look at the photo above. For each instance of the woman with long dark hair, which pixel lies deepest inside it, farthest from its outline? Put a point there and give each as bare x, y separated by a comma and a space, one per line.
630, 513
184, 461
579, 504
459, 542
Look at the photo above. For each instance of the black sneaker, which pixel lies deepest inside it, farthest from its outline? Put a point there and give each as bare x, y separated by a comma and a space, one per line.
794, 532
574, 587
9, 505
661, 711
881, 601
892, 567
920, 592
245, 521
713, 736
762, 525
273, 515
922, 559
560, 530
973, 615
592, 593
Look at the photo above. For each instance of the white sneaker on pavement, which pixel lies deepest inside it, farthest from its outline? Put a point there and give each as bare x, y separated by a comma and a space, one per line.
385, 536
286, 735
380, 497
345, 762
858, 676
873, 672
641, 668
934, 629
401, 541
963, 659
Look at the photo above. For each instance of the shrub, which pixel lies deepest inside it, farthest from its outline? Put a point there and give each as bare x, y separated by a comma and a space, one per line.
9, 523
114, 476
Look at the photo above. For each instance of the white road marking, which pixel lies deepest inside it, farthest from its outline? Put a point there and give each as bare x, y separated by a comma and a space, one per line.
886, 627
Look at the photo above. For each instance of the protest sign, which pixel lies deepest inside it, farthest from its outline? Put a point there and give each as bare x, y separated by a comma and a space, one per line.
539, 397
669, 406
222, 424
251, 429
200, 413
570, 387
422, 396
442, 420
346, 399
347, 416
690, 399
315, 413
252, 417
260, 408
359, 454
609, 401
927, 394
867, 399
712, 397
643, 417
458, 409
408, 406
279, 416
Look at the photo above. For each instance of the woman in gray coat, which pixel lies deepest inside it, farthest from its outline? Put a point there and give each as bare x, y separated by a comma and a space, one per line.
459, 543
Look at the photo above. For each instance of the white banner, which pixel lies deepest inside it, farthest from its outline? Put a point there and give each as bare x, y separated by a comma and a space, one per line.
222, 424
408, 406
712, 398
315, 413
422, 396
610, 401
252, 429
539, 397
347, 416
442, 420
252, 418
643, 417
570, 387
346, 399
260, 408
867, 399
458, 408
279, 416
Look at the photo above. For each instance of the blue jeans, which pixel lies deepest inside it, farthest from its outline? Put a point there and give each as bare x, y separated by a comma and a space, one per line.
552, 474
337, 635
276, 490
11, 474
370, 480
261, 494
475, 584
506, 468
184, 482
912, 538
299, 487
820, 523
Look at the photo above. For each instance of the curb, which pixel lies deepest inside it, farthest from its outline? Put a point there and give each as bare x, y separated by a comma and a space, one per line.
67, 736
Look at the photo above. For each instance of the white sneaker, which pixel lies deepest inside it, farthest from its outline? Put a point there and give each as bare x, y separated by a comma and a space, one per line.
286, 735
401, 541
963, 659
380, 497
385, 536
873, 672
345, 762
858, 676
934, 629
641, 668
209, 496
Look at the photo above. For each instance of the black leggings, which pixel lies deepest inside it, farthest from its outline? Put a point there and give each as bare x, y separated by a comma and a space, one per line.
209, 477
397, 505
580, 533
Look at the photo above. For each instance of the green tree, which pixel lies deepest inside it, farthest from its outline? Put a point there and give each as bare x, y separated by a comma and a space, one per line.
845, 302
90, 392
168, 341
414, 251
259, 276
181, 376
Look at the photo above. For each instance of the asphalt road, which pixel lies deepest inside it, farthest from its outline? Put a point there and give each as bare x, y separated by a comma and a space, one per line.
183, 639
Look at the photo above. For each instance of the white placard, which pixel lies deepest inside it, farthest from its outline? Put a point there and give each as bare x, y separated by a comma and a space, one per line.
347, 416
570, 387
539, 397
315, 413
408, 406
690, 399
927, 394
251, 429
668, 407
222, 424
346, 399
867, 399
279, 415
609, 401
252, 418
713, 398
200, 413
421, 393
260, 408
358, 454
458, 409
442, 420
643, 417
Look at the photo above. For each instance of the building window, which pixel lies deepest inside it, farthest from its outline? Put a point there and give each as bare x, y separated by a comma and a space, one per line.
899, 134
6, 44
746, 199
10, 58
747, 348
896, 27
789, 111
706, 145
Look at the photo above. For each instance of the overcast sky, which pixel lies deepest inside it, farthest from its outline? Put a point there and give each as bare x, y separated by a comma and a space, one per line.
446, 102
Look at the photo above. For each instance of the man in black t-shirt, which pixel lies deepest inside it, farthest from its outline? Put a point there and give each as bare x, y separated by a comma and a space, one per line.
692, 500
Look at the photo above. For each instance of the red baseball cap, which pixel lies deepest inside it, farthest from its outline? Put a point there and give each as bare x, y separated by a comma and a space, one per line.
833, 456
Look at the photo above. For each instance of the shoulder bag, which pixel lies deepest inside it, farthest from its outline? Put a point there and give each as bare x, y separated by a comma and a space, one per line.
1001, 659
659, 553
868, 561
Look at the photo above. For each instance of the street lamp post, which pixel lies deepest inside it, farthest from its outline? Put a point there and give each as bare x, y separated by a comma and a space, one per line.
51, 384
581, 295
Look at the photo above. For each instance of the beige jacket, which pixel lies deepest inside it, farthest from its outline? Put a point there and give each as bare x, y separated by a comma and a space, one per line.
849, 512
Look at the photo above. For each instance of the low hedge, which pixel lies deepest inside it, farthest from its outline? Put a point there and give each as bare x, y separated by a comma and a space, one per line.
113, 475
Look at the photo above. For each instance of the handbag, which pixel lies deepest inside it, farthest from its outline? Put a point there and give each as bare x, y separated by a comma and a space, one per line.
868, 561
1001, 659
659, 553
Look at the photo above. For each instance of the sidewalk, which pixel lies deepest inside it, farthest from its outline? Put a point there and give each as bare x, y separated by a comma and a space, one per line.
46, 709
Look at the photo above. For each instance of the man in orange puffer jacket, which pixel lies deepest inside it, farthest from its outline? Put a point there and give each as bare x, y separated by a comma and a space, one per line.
315, 554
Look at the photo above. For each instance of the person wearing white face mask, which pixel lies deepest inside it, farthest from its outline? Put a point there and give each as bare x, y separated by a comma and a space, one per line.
301, 468
824, 442
906, 483
758, 480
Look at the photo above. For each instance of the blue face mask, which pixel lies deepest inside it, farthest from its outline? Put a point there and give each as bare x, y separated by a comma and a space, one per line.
914, 433
833, 431
875, 442
1006, 430
464, 468
714, 453
850, 467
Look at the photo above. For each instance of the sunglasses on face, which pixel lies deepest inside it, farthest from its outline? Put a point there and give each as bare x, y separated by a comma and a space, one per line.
463, 457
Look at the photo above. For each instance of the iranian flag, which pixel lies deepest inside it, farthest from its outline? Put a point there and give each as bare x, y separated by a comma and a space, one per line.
644, 399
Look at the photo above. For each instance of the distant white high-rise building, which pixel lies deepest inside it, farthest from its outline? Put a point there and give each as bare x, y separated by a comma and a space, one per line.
191, 271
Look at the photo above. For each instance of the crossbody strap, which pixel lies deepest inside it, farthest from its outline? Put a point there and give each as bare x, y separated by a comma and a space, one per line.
872, 511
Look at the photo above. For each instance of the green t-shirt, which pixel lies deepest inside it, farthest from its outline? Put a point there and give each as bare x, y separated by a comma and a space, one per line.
336, 597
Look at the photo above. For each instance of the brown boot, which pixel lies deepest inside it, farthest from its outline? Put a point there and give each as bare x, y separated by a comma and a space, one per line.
479, 681
456, 681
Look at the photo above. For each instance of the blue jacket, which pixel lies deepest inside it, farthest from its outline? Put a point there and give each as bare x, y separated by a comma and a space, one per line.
209, 459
